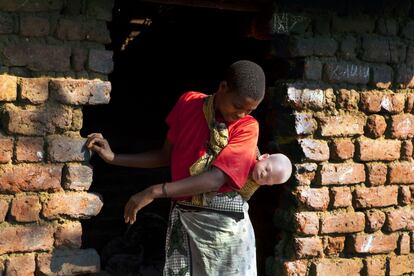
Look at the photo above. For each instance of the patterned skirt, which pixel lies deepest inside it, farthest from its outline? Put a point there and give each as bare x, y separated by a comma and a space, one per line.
206, 242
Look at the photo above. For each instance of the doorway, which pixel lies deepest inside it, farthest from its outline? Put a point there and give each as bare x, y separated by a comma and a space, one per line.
161, 51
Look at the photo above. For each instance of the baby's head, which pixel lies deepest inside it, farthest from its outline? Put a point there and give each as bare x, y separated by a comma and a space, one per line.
272, 169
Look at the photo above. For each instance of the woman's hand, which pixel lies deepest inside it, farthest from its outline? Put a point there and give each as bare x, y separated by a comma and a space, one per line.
136, 203
100, 145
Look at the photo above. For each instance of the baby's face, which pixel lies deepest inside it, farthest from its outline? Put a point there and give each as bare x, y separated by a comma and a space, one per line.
262, 172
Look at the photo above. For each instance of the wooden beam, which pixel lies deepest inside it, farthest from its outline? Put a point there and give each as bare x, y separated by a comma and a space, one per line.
230, 5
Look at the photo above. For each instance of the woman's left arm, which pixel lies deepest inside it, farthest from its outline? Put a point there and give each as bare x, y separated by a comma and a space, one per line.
208, 181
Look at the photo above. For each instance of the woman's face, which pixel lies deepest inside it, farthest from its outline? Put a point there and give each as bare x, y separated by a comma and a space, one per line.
232, 106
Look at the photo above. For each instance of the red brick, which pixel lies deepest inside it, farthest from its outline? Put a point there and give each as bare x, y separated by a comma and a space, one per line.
305, 98
398, 50
6, 149
377, 173
308, 247
342, 149
314, 150
29, 149
412, 241
404, 244
30, 178
37, 120
342, 174
336, 72
73, 8
374, 220
371, 101
404, 76
100, 61
304, 123
75, 205
407, 149
25, 208
34, 25
97, 31
342, 125
295, 268
375, 266
8, 25
325, 46
35, 90
66, 149
4, 208
374, 196
77, 119
401, 265
402, 126
20, 265
305, 173
299, 46
412, 193
349, 267
374, 243
393, 103
373, 150
405, 195
375, 49
79, 58
307, 223
77, 177
69, 235
341, 197
400, 219
81, 92
68, 262
8, 88
19, 238
348, 99
38, 56
402, 173
312, 69
376, 126
382, 76
342, 223
313, 198
70, 29
101, 10
330, 99
409, 102
334, 245
37, 6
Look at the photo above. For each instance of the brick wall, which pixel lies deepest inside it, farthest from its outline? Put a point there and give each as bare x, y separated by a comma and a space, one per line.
345, 118
52, 62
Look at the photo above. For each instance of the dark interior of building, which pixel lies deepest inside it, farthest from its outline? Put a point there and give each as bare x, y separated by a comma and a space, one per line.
161, 51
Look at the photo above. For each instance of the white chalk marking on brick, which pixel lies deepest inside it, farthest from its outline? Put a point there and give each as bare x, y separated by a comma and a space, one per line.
343, 176
39, 155
367, 244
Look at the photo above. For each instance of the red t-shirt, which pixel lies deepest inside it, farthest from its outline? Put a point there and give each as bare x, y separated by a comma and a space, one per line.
188, 133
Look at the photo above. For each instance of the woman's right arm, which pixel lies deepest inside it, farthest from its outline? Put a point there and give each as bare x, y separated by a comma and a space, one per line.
150, 159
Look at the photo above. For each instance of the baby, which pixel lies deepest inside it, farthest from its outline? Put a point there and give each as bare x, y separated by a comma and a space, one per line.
270, 169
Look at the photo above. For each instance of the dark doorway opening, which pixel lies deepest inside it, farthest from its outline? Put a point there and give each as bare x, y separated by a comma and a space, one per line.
161, 51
